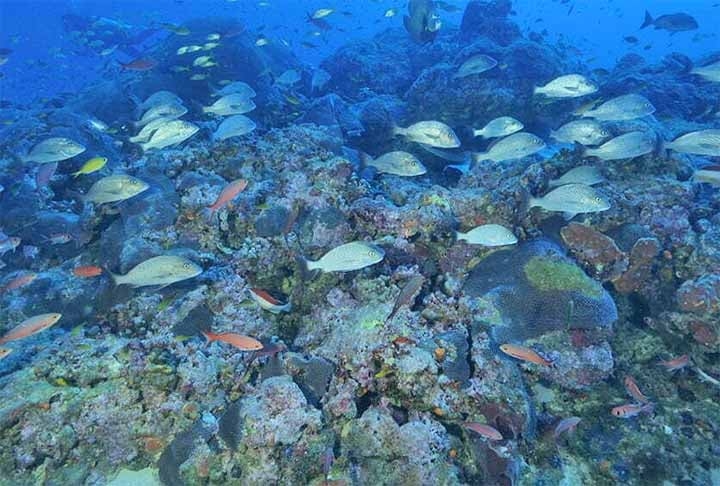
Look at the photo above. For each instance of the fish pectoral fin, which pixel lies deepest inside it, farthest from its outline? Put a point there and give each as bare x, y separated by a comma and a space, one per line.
572, 88
568, 215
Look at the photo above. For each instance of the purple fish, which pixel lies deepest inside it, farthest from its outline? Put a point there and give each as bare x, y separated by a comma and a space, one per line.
566, 425
44, 174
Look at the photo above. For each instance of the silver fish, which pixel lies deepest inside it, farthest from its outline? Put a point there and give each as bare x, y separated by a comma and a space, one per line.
488, 235
237, 87
159, 98
585, 174
571, 199
234, 126
160, 270
398, 163
171, 133
622, 108
626, 146
115, 188
568, 86
433, 133
54, 149
499, 127
165, 110
711, 72
516, 146
703, 142
232, 104
348, 257
475, 65
708, 175
147, 131
584, 132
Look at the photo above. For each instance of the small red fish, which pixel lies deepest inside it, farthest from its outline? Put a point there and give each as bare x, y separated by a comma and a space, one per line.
266, 301
87, 271
44, 174
566, 425
19, 281
243, 343
634, 391
140, 64
30, 326
485, 430
228, 194
676, 363
524, 354
632, 409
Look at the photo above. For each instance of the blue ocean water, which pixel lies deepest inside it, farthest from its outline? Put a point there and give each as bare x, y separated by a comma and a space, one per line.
352, 242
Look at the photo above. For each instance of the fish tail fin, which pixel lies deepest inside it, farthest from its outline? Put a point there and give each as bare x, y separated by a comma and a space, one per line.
396, 130
589, 152
537, 90
459, 236
76, 174
210, 337
479, 133
308, 268
117, 279
648, 20
527, 202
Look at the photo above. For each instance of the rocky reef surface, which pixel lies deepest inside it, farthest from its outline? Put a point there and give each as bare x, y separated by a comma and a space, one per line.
125, 390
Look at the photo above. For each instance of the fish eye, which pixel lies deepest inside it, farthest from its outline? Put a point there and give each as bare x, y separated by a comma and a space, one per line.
186, 266
604, 133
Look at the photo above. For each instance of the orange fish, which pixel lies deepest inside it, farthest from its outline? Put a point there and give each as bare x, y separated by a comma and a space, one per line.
87, 271
631, 410
243, 343
228, 194
268, 302
676, 363
485, 430
634, 391
5, 352
140, 64
19, 281
30, 326
524, 354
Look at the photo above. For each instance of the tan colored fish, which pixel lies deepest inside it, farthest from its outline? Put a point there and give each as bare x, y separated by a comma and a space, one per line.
568, 86
711, 72
348, 257
516, 146
398, 163
585, 174
165, 110
499, 127
571, 199
710, 175
433, 133
488, 235
475, 65
30, 326
232, 104
170, 133
162, 97
702, 142
54, 149
147, 131
622, 108
115, 188
160, 270
626, 146
584, 132
234, 126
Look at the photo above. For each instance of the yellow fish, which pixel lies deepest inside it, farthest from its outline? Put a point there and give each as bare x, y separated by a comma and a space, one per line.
92, 165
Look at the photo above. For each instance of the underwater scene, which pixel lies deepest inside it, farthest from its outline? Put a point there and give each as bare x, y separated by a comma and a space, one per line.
359, 242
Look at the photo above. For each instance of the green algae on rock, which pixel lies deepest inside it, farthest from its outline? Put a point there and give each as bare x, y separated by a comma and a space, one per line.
549, 274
